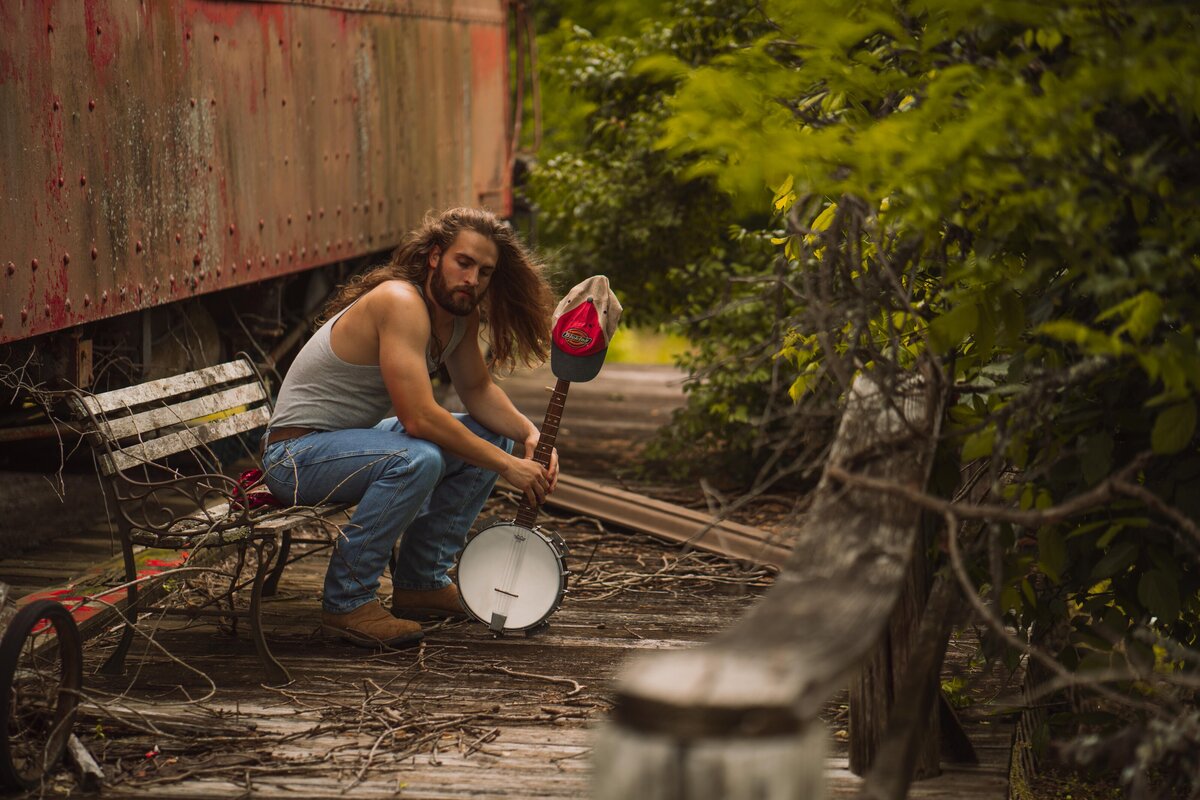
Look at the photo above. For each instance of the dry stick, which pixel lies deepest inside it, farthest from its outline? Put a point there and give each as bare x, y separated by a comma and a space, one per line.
1087, 501
576, 686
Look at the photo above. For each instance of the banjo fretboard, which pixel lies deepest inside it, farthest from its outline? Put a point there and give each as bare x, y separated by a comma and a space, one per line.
527, 513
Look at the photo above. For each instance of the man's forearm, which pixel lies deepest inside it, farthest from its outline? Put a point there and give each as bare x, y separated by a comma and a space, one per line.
493, 409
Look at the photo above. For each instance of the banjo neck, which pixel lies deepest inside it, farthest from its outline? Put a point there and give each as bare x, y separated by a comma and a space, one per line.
526, 512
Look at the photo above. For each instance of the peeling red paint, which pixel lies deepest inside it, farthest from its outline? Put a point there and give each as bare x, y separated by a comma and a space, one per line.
102, 35
267, 84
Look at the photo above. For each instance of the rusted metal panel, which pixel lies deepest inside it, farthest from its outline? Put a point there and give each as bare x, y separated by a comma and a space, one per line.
150, 152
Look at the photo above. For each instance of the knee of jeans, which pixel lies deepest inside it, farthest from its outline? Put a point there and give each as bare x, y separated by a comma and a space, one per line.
426, 461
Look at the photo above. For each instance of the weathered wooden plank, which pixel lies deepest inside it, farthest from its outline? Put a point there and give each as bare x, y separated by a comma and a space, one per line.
229, 400
667, 521
157, 390
141, 453
767, 678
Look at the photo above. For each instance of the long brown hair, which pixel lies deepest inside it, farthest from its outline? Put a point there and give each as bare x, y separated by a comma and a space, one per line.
517, 304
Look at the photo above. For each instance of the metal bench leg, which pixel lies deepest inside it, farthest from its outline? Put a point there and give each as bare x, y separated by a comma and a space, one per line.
277, 675
285, 548
115, 665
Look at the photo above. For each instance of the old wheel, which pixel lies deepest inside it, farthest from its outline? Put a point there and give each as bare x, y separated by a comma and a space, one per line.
41, 670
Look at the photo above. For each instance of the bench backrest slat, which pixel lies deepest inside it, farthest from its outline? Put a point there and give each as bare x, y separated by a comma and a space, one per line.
163, 388
140, 453
171, 416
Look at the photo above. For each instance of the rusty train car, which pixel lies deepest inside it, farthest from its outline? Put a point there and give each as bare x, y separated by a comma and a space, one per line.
181, 179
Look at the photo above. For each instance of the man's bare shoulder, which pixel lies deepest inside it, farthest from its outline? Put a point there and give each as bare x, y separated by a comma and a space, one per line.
392, 301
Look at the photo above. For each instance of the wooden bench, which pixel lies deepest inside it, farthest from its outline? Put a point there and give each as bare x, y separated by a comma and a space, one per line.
737, 718
153, 444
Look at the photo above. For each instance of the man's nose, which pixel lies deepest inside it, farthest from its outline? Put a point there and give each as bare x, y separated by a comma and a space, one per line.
471, 277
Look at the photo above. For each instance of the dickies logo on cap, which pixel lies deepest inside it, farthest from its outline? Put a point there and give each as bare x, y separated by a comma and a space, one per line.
584, 323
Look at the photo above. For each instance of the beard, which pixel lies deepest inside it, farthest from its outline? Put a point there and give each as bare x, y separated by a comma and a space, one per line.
458, 304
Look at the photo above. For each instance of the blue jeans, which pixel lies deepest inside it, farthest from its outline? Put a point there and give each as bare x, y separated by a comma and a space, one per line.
402, 485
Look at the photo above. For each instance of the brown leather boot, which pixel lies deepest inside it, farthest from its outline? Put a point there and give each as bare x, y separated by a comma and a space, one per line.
370, 625
428, 604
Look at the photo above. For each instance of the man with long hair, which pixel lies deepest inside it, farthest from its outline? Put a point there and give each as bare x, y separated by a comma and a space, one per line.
421, 475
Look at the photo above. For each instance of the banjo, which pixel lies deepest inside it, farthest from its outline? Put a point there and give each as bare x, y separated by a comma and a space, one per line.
512, 575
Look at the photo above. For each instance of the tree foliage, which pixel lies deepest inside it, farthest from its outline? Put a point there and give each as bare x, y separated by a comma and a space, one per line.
1011, 191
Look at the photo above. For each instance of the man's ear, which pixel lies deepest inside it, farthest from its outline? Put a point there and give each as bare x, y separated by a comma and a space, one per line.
435, 253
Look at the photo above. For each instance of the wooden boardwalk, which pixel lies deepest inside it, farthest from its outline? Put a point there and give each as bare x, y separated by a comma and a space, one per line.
465, 714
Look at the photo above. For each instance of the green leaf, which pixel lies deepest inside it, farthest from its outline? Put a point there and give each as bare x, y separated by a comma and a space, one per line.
979, 444
1160, 594
1052, 553
1095, 457
951, 328
1117, 559
1173, 428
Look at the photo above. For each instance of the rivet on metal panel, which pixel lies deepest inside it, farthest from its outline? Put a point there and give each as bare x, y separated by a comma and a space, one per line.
249, 264
232, 267
83, 180
33, 265
303, 252
140, 290
281, 42
87, 300
261, 223
155, 285
193, 102
289, 219
172, 279
54, 106
95, 253
196, 260
61, 181
310, 215
46, 309
66, 259
212, 102
232, 229
218, 270
292, 254
339, 211
178, 237
200, 234
216, 38
346, 155
335, 101
104, 297
49, 29
381, 205
122, 292
283, 102
10, 269
278, 258
24, 315
326, 245
285, 161
91, 105
99, 30
321, 212
325, 157
67, 304
138, 246
1, 320
312, 101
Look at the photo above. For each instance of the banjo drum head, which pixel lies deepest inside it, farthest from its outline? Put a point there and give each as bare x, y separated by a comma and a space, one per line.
513, 571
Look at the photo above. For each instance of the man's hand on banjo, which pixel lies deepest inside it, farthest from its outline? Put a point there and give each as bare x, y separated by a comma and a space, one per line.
529, 477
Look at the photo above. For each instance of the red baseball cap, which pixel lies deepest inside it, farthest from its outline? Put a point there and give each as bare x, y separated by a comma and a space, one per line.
584, 324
